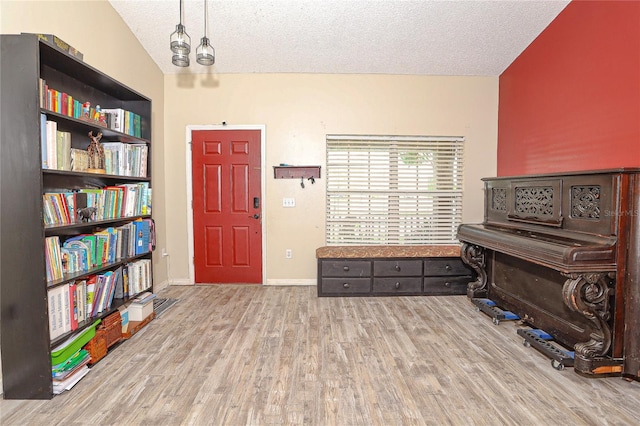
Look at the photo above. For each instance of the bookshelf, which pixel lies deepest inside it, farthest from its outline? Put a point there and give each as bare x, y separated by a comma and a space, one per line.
26, 339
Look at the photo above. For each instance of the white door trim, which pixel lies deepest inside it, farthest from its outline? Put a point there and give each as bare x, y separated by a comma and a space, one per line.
190, 240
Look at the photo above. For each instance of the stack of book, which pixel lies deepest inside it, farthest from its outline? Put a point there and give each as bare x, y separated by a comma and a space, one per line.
55, 145
65, 207
69, 361
84, 252
125, 159
66, 374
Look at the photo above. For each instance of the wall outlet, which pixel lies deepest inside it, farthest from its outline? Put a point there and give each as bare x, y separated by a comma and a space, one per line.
288, 254
288, 202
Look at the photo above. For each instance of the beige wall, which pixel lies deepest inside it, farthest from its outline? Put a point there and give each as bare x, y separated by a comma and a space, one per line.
299, 110
96, 30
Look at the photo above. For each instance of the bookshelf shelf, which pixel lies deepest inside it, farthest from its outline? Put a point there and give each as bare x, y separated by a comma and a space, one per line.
82, 226
93, 271
86, 126
28, 82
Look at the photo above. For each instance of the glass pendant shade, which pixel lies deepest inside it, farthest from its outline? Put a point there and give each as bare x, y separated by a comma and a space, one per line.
180, 41
205, 53
180, 59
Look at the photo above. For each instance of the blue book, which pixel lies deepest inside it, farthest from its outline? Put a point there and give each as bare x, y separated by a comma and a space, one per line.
142, 236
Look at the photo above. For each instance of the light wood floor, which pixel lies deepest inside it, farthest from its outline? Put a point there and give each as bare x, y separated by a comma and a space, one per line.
252, 355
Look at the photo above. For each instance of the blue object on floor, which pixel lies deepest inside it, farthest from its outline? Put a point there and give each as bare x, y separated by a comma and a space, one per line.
540, 340
489, 307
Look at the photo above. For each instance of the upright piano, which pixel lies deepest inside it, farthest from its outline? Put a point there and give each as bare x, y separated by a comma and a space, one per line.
562, 252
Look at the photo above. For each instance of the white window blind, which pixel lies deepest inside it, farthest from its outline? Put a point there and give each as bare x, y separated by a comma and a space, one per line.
393, 190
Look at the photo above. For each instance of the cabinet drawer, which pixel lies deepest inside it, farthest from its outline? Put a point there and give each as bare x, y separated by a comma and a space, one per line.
445, 266
397, 285
345, 285
446, 285
346, 268
392, 268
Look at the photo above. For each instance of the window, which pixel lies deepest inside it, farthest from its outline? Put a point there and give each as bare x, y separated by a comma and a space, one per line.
393, 190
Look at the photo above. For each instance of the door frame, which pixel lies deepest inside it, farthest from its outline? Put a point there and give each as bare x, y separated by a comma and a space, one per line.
189, 130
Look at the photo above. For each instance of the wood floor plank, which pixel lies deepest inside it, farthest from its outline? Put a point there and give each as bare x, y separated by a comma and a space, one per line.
261, 355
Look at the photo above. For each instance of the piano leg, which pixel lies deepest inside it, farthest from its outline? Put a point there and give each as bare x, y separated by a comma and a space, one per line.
474, 256
588, 294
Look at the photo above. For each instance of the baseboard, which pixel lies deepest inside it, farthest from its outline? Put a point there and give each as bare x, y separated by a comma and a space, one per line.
181, 281
167, 283
277, 281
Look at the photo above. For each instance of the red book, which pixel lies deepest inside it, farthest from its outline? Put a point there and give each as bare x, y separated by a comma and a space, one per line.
73, 306
63, 105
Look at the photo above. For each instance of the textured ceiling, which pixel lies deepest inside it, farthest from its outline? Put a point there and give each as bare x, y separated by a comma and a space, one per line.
424, 37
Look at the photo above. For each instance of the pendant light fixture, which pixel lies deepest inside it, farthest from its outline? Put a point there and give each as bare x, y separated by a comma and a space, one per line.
205, 53
180, 44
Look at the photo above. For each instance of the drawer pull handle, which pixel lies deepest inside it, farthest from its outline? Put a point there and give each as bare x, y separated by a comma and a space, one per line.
447, 267
447, 284
346, 269
397, 285
346, 285
397, 268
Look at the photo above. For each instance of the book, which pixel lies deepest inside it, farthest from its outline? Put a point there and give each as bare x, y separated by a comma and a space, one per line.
43, 140
70, 365
144, 298
59, 44
73, 306
51, 130
124, 318
66, 309
115, 118
142, 236
53, 258
54, 300
79, 160
91, 289
63, 150
70, 381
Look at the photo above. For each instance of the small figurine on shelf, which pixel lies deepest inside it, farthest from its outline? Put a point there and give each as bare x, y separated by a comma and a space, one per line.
86, 107
101, 116
96, 154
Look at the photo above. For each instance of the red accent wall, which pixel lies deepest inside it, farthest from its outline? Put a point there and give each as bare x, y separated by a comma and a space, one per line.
571, 100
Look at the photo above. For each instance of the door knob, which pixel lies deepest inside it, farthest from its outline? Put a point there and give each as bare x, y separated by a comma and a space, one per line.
255, 216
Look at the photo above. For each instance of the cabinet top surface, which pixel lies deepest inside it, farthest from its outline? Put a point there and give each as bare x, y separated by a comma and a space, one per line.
622, 170
355, 252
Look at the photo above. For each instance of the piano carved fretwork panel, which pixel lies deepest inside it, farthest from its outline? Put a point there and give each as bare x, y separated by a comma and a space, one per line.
499, 199
585, 202
534, 201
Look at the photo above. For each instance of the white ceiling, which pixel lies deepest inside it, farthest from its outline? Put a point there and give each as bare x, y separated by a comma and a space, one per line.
422, 37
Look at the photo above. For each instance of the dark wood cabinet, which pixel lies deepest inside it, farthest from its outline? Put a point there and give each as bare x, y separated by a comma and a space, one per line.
25, 338
393, 276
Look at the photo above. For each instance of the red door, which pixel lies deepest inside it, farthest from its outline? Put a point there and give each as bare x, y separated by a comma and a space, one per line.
227, 229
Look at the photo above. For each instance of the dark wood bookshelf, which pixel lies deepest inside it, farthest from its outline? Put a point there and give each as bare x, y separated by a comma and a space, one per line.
24, 330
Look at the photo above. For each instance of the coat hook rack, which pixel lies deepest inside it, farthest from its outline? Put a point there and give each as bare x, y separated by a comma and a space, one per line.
285, 171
